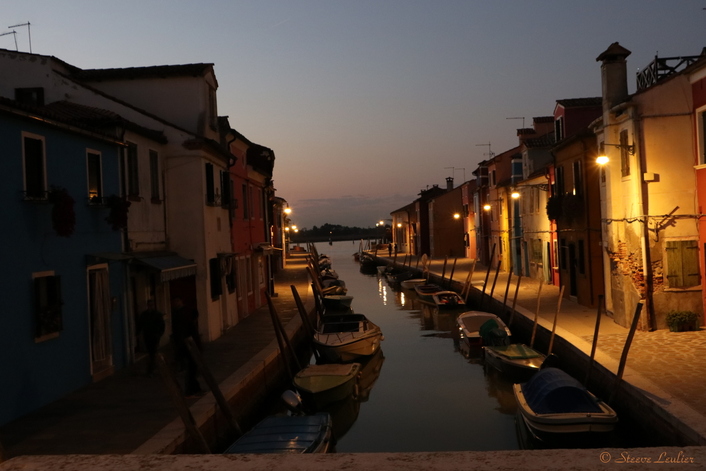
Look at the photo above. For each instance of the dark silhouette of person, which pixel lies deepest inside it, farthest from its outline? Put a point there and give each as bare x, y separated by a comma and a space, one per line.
185, 325
151, 325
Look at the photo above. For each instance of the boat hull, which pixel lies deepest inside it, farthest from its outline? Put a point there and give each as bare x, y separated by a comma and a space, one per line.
345, 346
517, 368
320, 385
287, 434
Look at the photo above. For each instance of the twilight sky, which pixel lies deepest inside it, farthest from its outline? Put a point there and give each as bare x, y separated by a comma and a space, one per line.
367, 102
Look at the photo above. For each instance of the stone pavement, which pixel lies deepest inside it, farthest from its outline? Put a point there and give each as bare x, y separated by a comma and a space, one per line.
118, 414
668, 366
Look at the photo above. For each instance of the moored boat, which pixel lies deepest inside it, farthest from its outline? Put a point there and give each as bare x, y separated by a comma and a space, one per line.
556, 406
320, 385
469, 324
287, 434
412, 282
337, 302
448, 300
426, 291
514, 360
345, 337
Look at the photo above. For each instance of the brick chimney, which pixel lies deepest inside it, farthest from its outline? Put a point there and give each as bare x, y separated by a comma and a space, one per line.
614, 77
449, 183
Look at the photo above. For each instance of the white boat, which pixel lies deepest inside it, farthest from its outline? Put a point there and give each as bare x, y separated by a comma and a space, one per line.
470, 322
345, 337
555, 406
320, 385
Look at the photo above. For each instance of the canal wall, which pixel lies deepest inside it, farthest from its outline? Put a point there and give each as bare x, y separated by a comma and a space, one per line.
668, 420
246, 391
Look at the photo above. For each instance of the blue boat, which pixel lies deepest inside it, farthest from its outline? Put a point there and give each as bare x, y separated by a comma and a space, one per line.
554, 406
287, 434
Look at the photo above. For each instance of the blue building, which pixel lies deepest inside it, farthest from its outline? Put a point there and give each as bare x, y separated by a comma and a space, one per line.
63, 323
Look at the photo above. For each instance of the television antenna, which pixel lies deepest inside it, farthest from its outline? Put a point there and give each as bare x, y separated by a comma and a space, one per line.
29, 34
14, 33
520, 117
453, 172
490, 153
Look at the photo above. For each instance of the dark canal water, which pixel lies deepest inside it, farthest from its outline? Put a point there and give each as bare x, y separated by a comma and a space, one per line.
426, 395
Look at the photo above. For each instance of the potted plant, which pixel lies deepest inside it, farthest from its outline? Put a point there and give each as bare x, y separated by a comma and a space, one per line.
682, 321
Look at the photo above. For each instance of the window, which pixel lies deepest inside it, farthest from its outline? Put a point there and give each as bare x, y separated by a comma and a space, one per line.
133, 176
246, 201
577, 175
702, 137
214, 266
682, 262
35, 181
48, 320
154, 176
559, 181
95, 179
30, 96
582, 256
210, 187
213, 108
624, 154
559, 128
225, 189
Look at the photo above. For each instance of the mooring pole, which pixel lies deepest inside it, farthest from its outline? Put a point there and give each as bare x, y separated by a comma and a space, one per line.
599, 312
495, 280
514, 299
536, 313
626, 349
507, 289
556, 316
487, 275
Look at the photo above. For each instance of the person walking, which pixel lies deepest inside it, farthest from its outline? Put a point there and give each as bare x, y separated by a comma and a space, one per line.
185, 325
151, 325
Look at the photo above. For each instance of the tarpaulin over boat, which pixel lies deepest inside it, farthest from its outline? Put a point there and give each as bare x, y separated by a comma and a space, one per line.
552, 391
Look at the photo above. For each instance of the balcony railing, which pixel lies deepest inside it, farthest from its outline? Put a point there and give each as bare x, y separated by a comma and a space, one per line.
663, 67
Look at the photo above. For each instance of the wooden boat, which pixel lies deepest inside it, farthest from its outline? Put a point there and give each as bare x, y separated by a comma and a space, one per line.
320, 385
287, 434
515, 360
398, 275
425, 291
555, 406
337, 302
345, 337
469, 324
448, 300
412, 282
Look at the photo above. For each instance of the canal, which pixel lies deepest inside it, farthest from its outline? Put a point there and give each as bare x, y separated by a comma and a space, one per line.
424, 394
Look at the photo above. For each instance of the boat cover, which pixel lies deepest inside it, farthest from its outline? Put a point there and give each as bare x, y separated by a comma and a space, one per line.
492, 334
516, 351
552, 391
285, 434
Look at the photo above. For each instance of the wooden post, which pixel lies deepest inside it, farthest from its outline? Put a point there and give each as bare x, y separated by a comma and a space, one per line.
469, 280
536, 313
556, 316
507, 290
601, 301
514, 299
180, 403
495, 280
302, 312
487, 275
626, 349
281, 338
213, 386
443, 270
453, 269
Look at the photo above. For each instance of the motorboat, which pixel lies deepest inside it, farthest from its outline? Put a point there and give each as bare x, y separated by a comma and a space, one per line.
412, 282
345, 337
556, 406
289, 433
515, 360
320, 385
469, 324
448, 300
337, 302
425, 291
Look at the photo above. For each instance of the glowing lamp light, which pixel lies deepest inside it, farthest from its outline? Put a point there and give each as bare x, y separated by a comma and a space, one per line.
457, 216
399, 224
486, 207
515, 194
287, 210
602, 159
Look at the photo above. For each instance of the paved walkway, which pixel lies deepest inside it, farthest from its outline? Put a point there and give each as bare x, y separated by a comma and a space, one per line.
121, 412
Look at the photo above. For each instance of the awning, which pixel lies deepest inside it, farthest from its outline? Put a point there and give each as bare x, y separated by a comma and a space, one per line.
170, 267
